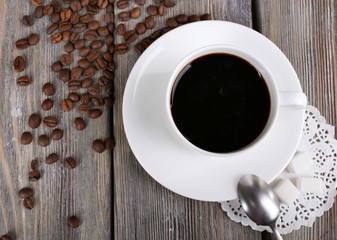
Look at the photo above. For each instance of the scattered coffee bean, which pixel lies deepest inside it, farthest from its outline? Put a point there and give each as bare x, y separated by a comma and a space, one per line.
73, 222
74, 85
27, 21
48, 10
83, 63
64, 26
33, 39
28, 204
111, 27
76, 73
56, 5
52, 28
38, 12
66, 1
47, 104
123, 16
75, 6
146, 42
99, 64
140, 28
98, 146
5, 237
55, 17
65, 59
57, 134
67, 105
19, 64
109, 87
169, 3
65, 75
70, 162
94, 90
66, 36
121, 4
34, 176
34, 121
93, 55
108, 57
111, 67
79, 27
78, 44
102, 81
171, 22
36, 2
74, 37
109, 17
135, 13
84, 3
48, 89
65, 14
95, 113
121, 29
75, 18
182, 18
102, 4
25, 192
85, 98
84, 51
83, 109
56, 67
108, 74
149, 22
34, 165
193, 18
79, 124
86, 18
74, 96
110, 7
130, 36
22, 44
56, 38
103, 31
89, 72
86, 83
26, 138
50, 121
43, 141
69, 47
108, 102
121, 48
158, 1
155, 35
97, 44
139, 48
23, 81
162, 10
94, 25
110, 143
111, 49
152, 10
206, 16
90, 35
52, 158
109, 39
97, 101
140, 2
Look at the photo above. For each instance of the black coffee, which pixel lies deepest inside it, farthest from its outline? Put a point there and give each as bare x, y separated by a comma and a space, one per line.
220, 103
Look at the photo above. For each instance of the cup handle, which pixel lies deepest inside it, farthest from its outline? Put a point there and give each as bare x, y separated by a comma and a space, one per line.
293, 99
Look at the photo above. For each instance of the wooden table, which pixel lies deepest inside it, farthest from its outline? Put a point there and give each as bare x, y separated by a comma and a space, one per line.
305, 30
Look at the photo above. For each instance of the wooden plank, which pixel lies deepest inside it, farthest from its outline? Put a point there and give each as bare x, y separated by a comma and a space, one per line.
305, 31
84, 191
143, 208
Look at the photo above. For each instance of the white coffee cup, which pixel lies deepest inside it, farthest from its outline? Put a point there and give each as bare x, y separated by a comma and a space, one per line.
278, 99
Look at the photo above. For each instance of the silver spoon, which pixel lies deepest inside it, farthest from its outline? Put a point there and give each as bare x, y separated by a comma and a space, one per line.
259, 202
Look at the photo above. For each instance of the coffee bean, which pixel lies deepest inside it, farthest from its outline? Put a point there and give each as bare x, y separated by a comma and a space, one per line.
48, 10
67, 105
155, 35
109, 40
65, 60
28, 204
108, 74
5, 237
74, 96
121, 4
26, 138
97, 101
64, 26
43, 141
79, 124
48, 89
84, 3
109, 17
158, 1
22, 44
146, 42
74, 37
109, 87
206, 16
83, 109
102, 3
47, 104
70, 162
110, 143
56, 38
66, 36
93, 55
109, 8
121, 29
65, 75
33, 39
34, 176
78, 44
86, 18
99, 64
162, 10
140, 2
75, 18
92, 9
56, 5
52, 158
108, 57
182, 18
95, 113
23, 81
152, 10
73, 222
79, 27
85, 98
89, 71
84, 51
86, 83
69, 47
121, 48
102, 81
76, 73
65, 14
98, 146
94, 25
108, 101
135, 13
75, 6
110, 67
19, 64
56, 67
38, 12
193, 18
103, 31
66, 1
139, 48
25, 192
27, 21
90, 35
169, 3
74, 85
50, 121
57, 134
171, 22
130, 36
34, 120
94, 90
34, 165
97, 44
52, 28
55, 17
166, 29
149, 22
36, 2
123, 16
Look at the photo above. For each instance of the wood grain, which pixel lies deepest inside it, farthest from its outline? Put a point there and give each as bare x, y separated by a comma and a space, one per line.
143, 208
84, 191
306, 32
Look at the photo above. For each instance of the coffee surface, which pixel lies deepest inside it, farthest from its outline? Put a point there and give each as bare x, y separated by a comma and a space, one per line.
220, 103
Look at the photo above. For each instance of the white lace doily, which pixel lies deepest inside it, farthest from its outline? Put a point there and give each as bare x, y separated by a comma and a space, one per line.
318, 139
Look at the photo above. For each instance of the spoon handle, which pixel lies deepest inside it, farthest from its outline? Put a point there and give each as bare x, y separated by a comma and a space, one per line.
276, 233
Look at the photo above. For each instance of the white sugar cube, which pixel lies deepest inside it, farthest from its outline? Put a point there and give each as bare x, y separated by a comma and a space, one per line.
309, 185
286, 191
300, 162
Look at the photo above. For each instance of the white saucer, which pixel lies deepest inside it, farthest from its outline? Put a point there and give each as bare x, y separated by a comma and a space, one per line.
178, 167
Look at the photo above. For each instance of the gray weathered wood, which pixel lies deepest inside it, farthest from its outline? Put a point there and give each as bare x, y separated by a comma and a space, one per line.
306, 32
